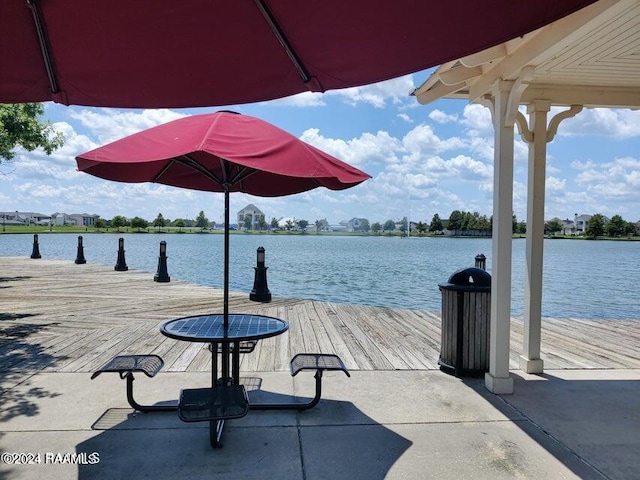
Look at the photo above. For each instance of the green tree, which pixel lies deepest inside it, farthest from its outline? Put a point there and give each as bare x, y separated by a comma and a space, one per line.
630, 228
179, 222
616, 226
247, 223
262, 223
483, 224
99, 223
514, 223
455, 221
436, 224
159, 221
139, 223
404, 225
303, 224
118, 221
553, 226
20, 125
364, 225
389, 226
595, 226
275, 224
421, 227
201, 221
376, 227
469, 221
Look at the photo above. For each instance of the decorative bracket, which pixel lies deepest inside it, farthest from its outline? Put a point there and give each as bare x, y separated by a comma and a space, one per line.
555, 121
527, 135
518, 88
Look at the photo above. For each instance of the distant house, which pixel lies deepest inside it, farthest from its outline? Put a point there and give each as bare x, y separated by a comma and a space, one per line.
12, 218
82, 219
353, 225
25, 218
580, 223
60, 219
253, 215
320, 226
568, 226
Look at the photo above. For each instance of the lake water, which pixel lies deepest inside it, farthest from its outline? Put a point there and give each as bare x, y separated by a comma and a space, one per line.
583, 279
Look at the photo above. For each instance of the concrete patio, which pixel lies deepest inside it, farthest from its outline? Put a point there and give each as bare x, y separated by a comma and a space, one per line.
375, 425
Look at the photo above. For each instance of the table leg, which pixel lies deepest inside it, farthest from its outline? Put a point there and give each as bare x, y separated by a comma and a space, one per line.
235, 363
225, 363
214, 363
215, 433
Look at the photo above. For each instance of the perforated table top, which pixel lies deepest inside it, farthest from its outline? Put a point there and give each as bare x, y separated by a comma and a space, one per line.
210, 328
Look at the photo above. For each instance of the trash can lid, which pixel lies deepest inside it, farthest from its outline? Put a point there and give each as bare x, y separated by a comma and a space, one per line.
471, 278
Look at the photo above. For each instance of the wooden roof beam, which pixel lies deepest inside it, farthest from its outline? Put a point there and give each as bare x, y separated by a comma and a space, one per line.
547, 41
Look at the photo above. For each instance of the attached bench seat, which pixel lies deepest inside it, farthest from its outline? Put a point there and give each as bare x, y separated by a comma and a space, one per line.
220, 403
125, 365
318, 362
307, 361
246, 346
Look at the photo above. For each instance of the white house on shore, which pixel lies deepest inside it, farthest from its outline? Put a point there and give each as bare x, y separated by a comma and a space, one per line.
251, 214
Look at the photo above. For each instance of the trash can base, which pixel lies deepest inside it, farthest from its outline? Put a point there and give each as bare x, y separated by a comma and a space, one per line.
451, 370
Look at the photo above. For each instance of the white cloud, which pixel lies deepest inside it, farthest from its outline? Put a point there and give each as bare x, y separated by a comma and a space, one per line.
422, 140
367, 149
477, 120
304, 99
379, 94
555, 185
405, 117
442, 117
110, 124
597, 122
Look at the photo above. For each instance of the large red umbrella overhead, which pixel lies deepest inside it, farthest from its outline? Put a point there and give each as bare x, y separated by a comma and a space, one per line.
221, 152
178, 53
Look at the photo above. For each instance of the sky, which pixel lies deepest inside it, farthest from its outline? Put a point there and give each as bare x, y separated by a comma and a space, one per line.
423, 160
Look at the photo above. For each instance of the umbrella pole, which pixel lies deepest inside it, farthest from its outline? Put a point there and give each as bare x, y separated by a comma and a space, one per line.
226, 257
225, 345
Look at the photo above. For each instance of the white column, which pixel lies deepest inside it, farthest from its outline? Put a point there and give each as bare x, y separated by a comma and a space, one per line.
497, 380
530, 361
537, 136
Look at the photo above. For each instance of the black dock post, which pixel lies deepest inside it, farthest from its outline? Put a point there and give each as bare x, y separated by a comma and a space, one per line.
121, 265
260, 292
80, 255
35, 253
162, 275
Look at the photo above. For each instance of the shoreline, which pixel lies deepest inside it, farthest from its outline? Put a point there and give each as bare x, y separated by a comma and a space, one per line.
12, 230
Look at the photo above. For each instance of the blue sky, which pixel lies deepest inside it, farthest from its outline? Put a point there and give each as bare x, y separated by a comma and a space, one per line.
423, 159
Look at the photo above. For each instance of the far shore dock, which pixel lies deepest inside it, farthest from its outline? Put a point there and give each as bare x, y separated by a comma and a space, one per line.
56, 316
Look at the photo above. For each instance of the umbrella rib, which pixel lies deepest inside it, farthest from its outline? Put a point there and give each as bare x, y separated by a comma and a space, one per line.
243, 174
44, 45
277, 31
187, 161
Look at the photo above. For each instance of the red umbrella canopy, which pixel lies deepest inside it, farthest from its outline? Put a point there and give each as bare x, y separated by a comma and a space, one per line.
205, 152
177, 53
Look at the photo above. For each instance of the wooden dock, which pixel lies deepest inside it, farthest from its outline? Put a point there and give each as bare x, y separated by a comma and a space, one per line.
59, 316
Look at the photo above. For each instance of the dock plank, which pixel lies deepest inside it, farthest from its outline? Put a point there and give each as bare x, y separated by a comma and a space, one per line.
58, 316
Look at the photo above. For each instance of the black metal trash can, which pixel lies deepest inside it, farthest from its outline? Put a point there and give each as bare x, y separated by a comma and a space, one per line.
466, 312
